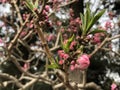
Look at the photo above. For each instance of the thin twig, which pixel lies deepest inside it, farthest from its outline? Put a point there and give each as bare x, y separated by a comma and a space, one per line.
107, 39
57, 40
26, 86
43, 40
14, 60
7, 76
62, 77
17, 35
18, 11
92, 85
108, 49
68, 3
84, 78
116, 36
100, 46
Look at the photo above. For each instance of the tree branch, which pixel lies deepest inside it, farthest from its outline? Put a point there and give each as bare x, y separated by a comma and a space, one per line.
7, 76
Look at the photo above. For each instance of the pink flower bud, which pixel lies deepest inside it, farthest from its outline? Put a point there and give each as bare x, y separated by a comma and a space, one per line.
77, 66
73, 62
50, 37
44, 12
73, 44
114, 87
31, 25
47, 8
61, 62
109, 24
23, 34
25, 16
26, 66
71, 12
96, 39
59, 23
83, 62
65, 36
78, 21
60, 51
72, 67
65, 56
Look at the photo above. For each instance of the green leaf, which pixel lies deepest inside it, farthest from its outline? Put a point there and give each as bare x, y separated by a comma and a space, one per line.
67, 45
61, 39
85, 22
94, 20
57, 60
96, 31
82, 19
53, 66
70, 40
87, 18
89, 14
36, 3
30, 4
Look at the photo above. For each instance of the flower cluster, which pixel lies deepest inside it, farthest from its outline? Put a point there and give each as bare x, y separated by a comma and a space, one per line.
109, 25
97, 38
63, 56
81, 63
